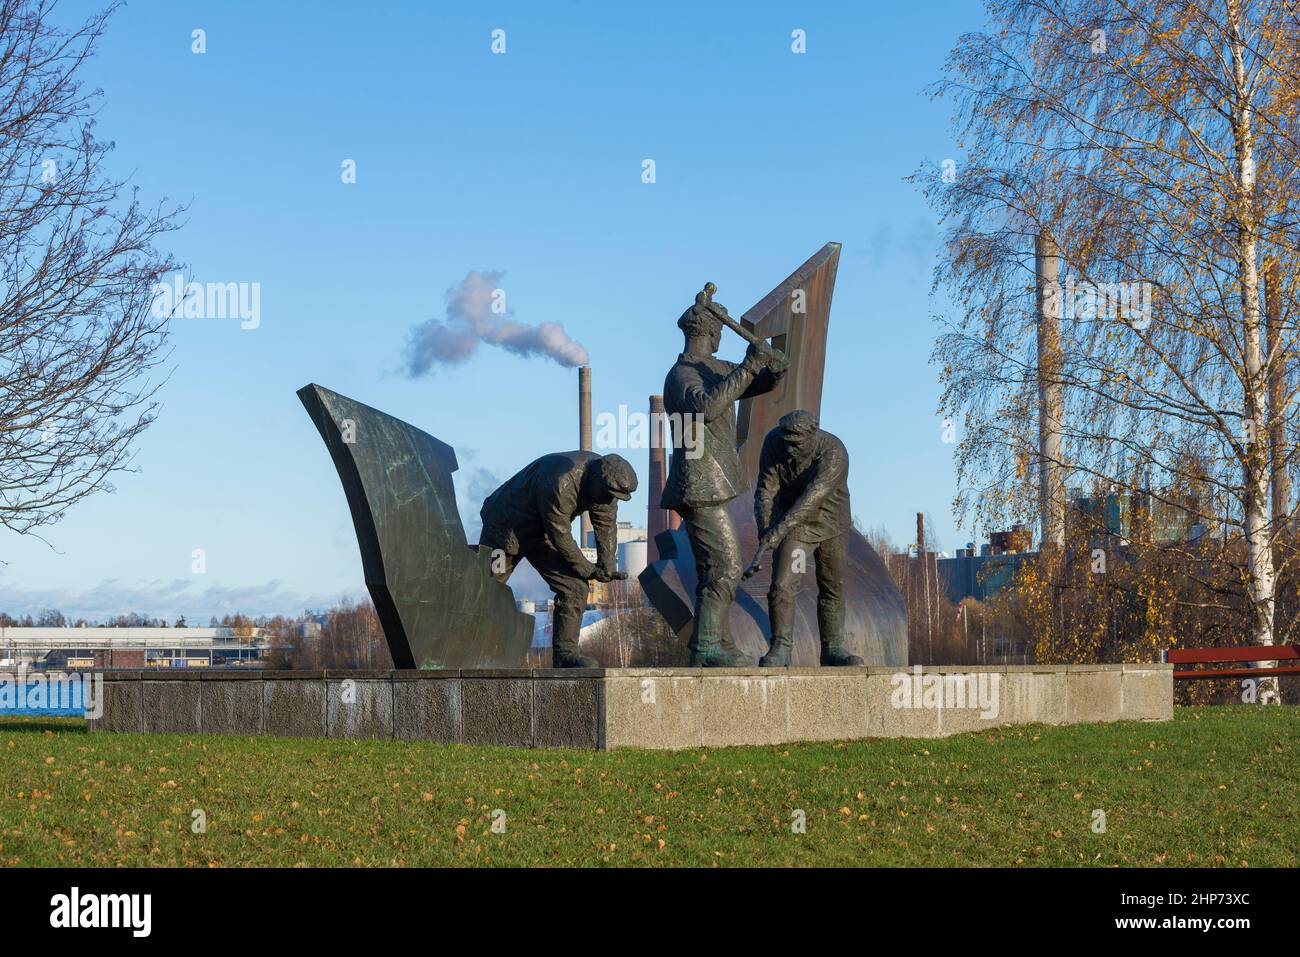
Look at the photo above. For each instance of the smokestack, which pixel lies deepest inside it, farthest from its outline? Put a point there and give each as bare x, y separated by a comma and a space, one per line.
920, 533
1277, 402
1051, 484
584, 433
656, 515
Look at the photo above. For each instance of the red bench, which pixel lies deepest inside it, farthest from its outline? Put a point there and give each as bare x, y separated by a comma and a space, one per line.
1247, 653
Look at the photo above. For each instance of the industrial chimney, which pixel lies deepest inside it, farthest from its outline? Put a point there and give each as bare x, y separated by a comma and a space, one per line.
656, 515
584, 434
1051, 479
1277, 398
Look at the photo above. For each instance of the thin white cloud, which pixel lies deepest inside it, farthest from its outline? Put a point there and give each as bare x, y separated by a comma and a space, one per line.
166, 599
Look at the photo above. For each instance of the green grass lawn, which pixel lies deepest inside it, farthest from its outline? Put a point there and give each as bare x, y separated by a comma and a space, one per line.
1214, 787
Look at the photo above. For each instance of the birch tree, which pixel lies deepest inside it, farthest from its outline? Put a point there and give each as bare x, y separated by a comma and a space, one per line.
1154, 144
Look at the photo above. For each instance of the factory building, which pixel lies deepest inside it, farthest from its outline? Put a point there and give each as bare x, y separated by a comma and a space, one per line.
141, 648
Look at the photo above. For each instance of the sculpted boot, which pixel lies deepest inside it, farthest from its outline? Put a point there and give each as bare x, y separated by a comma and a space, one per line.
706, 642
778, 656
830, 623
565, 659
834, 657
564, 636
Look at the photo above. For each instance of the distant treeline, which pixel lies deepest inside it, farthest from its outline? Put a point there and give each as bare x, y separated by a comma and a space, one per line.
53, 618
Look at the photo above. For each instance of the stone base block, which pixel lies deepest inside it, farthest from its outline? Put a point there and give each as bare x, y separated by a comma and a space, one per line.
359, 708
172, 707
427, 710
231, 707
295, 708
498, 709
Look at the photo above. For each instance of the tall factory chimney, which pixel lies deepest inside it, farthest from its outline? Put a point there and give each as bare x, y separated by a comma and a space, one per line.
656, 515
1277, 399
584, 434
1051, 483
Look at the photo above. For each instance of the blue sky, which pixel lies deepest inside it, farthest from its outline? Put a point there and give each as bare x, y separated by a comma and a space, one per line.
527, 163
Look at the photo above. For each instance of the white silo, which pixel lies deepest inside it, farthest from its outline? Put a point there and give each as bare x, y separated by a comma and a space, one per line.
633, 557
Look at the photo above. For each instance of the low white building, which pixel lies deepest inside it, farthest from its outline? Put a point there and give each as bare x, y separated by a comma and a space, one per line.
133, 647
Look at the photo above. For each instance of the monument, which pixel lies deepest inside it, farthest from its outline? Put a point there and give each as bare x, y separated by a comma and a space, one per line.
460, 646
795, 318
444, 605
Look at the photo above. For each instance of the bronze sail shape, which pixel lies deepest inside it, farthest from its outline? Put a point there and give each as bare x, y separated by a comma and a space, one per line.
437, 601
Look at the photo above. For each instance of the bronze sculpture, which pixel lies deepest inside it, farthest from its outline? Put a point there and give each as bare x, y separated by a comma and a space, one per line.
531, 516
441, 603
795, 316
700, 393
801, 508
436, 600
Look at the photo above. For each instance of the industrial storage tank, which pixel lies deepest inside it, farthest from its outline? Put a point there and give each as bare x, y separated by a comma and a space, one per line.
633, 557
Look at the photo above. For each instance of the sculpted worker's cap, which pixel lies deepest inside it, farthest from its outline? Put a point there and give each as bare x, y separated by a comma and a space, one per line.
618, 475
701, 318
699, 321
799, 423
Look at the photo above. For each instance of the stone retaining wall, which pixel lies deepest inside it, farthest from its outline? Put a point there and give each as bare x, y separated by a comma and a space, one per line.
635, 707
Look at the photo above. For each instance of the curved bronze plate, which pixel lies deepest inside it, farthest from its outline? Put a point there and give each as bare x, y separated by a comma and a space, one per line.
438, 604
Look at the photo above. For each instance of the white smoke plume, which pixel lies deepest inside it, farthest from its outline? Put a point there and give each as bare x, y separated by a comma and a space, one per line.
471, 320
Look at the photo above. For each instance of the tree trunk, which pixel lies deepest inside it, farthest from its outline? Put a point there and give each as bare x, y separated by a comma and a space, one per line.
1259, 545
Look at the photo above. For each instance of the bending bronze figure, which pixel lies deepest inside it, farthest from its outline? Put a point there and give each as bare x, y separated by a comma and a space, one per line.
531, 517
802, 511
